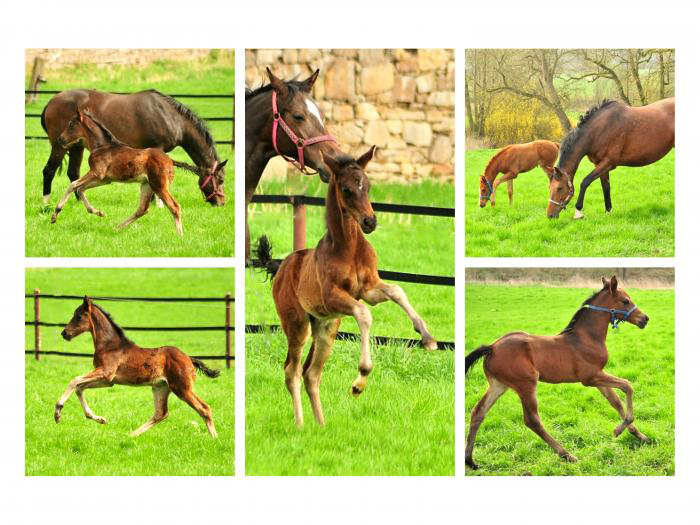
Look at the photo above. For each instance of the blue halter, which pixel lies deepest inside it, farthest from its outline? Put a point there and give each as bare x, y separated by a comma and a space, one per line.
488, 183
614, 321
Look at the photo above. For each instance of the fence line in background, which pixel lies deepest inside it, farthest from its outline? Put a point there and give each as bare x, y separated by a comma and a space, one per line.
227, 327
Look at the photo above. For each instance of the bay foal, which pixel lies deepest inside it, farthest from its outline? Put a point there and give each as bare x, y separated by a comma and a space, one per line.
314, 289
119, 361
113, 161
578, 354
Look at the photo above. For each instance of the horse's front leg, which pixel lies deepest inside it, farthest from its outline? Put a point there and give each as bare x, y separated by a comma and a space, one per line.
506, 177
87, 181
95, 375
601, 379
605, 183
600, 170
382, 292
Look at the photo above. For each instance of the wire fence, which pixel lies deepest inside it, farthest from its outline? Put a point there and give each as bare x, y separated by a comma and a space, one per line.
227, 327
229, 96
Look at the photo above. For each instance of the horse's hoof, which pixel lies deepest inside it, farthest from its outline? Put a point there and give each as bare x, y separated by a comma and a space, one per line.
645, 440
429, 344
356, 391
57, 417
101, 420
578, 214
469, 462
99, 213
53, 219
569, 457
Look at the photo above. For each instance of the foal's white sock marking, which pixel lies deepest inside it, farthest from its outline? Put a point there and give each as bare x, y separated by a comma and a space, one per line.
313, 109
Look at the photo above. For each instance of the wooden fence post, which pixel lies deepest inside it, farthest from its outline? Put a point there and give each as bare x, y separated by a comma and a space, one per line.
37, 330
36, 79
228, 330
299, 224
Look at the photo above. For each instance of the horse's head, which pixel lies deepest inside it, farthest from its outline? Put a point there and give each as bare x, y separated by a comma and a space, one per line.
211, 182
303, 116
352, 187
620, 304
561, 190
485, 191
75, 131
80, 321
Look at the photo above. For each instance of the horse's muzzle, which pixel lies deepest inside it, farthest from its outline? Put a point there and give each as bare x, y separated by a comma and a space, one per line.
643, 322
369, 224
65, 335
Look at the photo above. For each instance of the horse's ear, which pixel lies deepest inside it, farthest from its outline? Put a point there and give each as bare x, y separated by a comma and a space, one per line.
331, 163
606, 283
364, 159
613, 284
86, 300
277, 84
556, 173
222, 164
307, 84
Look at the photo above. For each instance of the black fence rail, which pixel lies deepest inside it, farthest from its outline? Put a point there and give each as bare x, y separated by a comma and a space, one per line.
230, 96
228, 327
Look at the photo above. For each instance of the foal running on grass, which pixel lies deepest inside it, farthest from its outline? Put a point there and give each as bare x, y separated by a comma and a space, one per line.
113, 161
119, 361
314, 289
578, 354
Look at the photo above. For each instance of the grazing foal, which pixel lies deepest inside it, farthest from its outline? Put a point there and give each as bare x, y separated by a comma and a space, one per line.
578, 354
314, 289
113, 161
119, 361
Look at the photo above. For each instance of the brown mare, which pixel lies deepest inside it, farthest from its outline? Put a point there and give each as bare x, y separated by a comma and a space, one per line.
147, 119
314, 289
611, 134
513, 160
113, 161
303, 117
576, 355
119, 361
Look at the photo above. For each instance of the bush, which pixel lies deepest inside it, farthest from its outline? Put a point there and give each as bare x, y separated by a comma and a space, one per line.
513, 120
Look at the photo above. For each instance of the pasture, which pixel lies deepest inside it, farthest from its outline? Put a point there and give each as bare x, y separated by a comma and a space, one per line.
208, 230
180, 445
403, 424
641, 223
576, 416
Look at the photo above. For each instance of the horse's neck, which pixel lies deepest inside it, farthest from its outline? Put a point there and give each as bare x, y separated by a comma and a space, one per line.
195, 145
569, 163
493, 167
104, 335
258, 138
342, 228
593, 324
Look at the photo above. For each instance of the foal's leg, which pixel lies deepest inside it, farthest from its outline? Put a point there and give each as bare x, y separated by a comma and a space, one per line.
324, 333
506, 177
600, 170
87, 181
160, 404
495, 390
601, 379
510, 192
528, 398
95, 375
142, 209
189, 397
383, 292
97, 383
297, 331
614, 400
172, 205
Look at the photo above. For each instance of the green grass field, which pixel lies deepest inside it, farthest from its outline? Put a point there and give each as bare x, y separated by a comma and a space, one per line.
641, 223
179, 445
403, 424
576, 416
208, 231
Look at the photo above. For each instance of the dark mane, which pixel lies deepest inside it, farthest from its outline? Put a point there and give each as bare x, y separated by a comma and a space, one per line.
105, 130
116, 327
579, 312
572, 136
197, 122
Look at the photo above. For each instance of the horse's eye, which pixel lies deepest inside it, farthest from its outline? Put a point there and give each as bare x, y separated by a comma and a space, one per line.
347, 190
298, 118
625, 302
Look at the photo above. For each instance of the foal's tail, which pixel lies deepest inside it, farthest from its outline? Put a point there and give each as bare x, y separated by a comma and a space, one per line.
472, 358
186, 167
199, 365
263, 251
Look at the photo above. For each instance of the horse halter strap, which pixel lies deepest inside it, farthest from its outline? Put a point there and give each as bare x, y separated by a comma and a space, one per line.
217, 190
299, 142
566, 201
614, 321
490, 186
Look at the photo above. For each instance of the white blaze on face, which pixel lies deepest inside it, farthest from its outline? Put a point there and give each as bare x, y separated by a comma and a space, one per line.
313, 109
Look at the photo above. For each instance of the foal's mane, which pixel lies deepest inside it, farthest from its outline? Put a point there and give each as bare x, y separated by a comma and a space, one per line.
580, 311
495, 158
117, 328
196, 121
572, 136
110, 136
294, 86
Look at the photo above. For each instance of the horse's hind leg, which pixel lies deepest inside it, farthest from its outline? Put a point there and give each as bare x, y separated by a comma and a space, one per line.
495, 391
142, 209
297, 332
528, 398
160, 405
605, 183
189, 397
614, 400
324, 333
172, 205
55, 159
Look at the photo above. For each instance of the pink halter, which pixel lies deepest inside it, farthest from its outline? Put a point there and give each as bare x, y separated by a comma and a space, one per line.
297, 141
217, 190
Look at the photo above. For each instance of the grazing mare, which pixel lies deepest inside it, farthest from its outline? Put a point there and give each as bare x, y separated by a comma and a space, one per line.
314, 289
113, 161
120, 361
282, 119
513, 160
147, 119
611, 134
577, 355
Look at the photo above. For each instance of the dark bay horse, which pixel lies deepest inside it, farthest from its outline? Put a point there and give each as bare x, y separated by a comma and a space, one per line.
577, 355
314, 289
147, 119
120, 361
513, 160
113, 161
611, 134
293, 129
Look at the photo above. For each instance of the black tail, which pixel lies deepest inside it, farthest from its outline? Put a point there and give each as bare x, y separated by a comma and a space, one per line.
199, 365
472, 358
43, 118
263, 251
186, 167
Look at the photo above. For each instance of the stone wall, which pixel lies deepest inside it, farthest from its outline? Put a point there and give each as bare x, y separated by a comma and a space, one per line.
58, 58
401, 100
